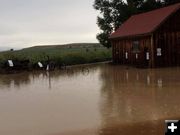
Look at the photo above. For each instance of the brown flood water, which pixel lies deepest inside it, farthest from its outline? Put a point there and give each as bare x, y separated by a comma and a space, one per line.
103, 100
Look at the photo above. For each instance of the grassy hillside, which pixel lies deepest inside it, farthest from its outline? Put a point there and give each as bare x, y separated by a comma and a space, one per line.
68, 54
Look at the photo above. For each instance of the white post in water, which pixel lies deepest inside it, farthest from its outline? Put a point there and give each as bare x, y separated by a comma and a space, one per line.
40, 64
47, 68
10, 62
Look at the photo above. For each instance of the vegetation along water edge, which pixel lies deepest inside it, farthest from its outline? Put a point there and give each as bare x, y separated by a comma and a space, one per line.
56, 56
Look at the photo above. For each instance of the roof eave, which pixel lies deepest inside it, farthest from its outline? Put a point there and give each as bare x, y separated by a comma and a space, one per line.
131, 36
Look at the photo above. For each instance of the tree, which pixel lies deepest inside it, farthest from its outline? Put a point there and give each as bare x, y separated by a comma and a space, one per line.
169, 2
151, 5
114, 12
105, 21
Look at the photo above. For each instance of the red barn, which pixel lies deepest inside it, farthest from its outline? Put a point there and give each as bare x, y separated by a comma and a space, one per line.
150, 39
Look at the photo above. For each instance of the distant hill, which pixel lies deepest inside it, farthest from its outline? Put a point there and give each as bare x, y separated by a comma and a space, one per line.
65, 46
69, 54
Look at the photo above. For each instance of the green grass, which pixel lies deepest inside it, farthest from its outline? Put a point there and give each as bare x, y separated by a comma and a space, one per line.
70, 54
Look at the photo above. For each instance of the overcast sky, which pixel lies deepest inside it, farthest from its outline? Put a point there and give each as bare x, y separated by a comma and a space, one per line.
34, 22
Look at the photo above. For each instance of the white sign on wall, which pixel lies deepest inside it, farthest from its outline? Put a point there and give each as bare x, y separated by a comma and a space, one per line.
136, 56
147, 56
126, 54
159, 52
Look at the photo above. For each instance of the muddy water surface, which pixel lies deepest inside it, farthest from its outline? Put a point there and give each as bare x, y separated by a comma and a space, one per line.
91, 100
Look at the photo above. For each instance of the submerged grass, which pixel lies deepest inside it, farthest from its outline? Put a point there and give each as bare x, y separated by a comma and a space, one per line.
67, 54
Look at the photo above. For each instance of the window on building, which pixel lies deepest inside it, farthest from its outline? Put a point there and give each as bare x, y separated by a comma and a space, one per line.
136, 46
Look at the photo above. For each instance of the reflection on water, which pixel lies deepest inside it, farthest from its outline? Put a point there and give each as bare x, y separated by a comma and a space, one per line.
137, 101
92, 100
26, 78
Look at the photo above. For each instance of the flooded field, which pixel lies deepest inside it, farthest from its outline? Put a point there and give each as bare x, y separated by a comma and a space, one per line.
91, 100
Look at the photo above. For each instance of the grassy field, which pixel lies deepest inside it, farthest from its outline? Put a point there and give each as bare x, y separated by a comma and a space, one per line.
70, 54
